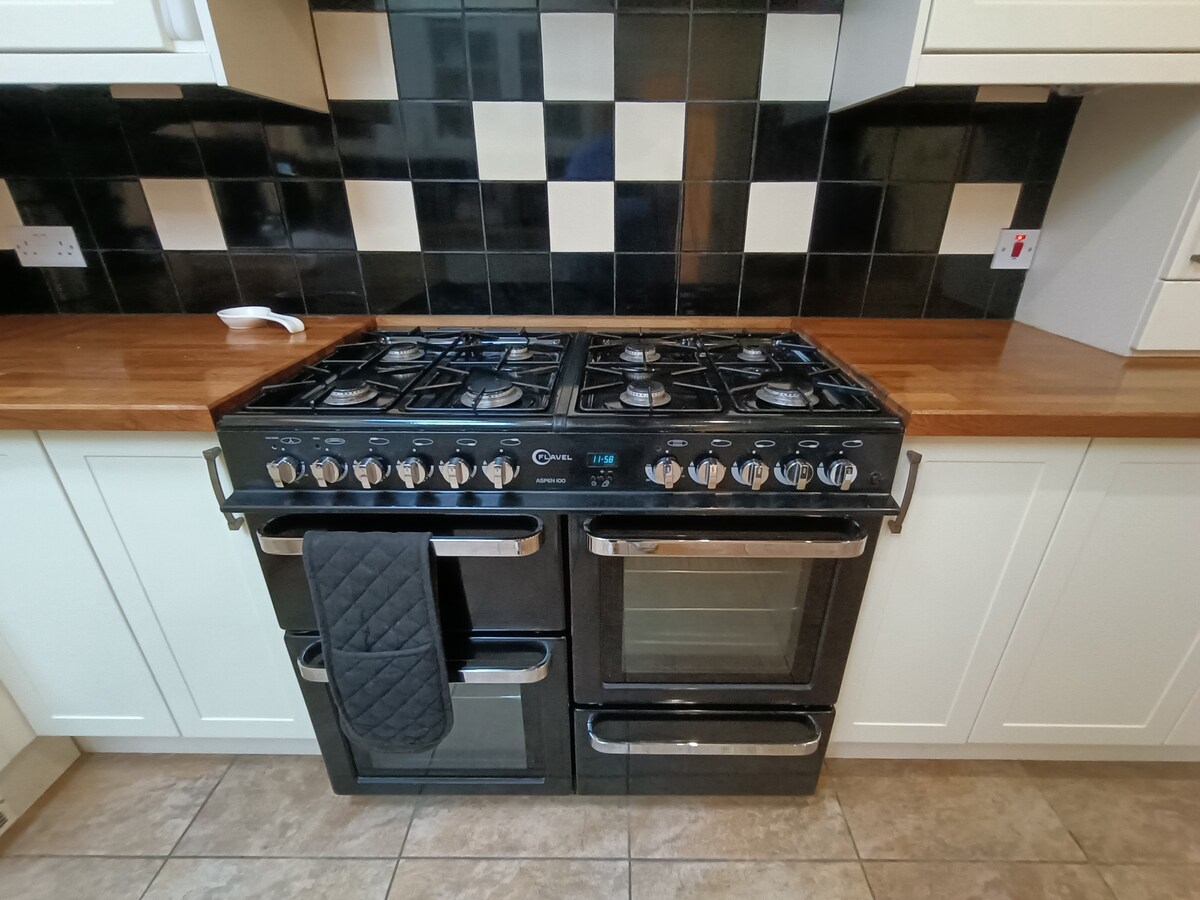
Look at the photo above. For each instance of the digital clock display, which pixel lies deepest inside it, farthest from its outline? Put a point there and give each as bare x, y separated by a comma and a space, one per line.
601, 460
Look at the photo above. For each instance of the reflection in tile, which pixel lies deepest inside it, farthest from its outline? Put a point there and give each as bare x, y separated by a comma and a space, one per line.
269, 279
51, 201
250, 214
529, 879
141, 282
515, 216
583, 283
161, 138
1153, 882
301, 144
370, 139
708, 284
929, 141
720, 138
772, 284
506, 56
24, 289
651, 57
899, 286
520, 284
441, 140
204, 281
395, 283
646, 284
845, 217
318, 215
726, 57
1001, 141
89, 132
984, 880
331, 284
50, 878
859, 144
251, 879
579, 141
458, 284
431, 56
788, 147
913, 219
118, 214
714, 215
715, 880
82, 290
647, 216
231, 139
961, 289
835, 285
448, 215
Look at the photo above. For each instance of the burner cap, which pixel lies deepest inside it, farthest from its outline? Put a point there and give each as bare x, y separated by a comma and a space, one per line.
795, 393
752, 352
487, 389
644, 392
406, 351
350, 394
640, 353
520, 352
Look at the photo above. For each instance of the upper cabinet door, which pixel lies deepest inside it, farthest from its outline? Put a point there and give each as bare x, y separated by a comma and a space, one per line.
81, 25
1063, 26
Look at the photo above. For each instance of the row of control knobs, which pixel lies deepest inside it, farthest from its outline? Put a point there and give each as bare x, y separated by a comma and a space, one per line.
753, 472
370, 471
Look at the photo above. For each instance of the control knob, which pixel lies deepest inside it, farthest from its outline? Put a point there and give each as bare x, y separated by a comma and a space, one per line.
285, 470
370, 470
328, 470
500, 470
839, 473
457, 471
752, 472
708, 471
665, 471
413, 471
795, 472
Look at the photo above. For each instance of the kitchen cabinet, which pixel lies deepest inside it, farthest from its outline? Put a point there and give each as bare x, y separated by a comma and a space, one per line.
1107, 646
15, 731
1186, 732
886, 45
67, 654
190, 588
944, 593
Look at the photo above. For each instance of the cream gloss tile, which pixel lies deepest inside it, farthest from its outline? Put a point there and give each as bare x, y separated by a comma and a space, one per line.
592, 827
510, 139
119, 805
356, 55
714, 880
1152, 882
9, 217
252, 879
58, 878
282, 806
510, 879
184, 213
798, 56
581, 216
578, 56
779, 217
729, 828
383, 214
649, 141
984, 881
977, 213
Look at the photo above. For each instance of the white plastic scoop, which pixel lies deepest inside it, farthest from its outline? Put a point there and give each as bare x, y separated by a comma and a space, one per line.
254, 316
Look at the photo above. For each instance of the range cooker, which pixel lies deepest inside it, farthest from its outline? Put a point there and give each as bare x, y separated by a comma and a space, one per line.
682, 523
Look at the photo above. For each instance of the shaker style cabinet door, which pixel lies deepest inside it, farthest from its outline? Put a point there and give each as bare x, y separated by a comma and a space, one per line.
67, 655
1186, 732
83, 25
944, 593
191, 588
1107, 648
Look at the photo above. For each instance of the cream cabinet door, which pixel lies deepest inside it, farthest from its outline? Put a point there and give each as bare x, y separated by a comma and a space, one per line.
1107, 648
1186, 732
67, 654
943, 595
191, 589
82, 25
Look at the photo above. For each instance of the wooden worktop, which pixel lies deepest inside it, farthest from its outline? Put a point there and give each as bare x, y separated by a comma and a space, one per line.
145, 373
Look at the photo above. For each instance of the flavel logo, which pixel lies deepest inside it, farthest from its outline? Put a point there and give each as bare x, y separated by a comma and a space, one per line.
544, 457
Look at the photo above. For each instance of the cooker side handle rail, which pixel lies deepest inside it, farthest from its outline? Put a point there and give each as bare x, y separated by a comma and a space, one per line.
767, 548
311, 666
700, 748
525, 545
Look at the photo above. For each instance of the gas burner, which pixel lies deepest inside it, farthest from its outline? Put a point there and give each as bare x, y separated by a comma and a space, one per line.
752, 352
640, 353
488, 389
642, 391
520, 352
796, 392
350, 394
406, 351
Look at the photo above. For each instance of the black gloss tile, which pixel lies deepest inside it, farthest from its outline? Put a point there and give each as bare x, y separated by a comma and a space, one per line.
520, 284
331, 283
929, 141
579, 141
646, 284
898, 286
578, 5
1032, 204
318, 215
669, 5
441, 140
269, 279
651, 54
370, 138
141, 281
500, 4
231, 139
730, 5
914, 217
300, 143
27, 145
204, 281
458, 284
88, 130
24, 289
714, 215
719, 141
117, 212
431, 56
347, 5
772, 284
961, 287
835, 285
161, 138
395, 283
708, 284
515, 215
790, 137
844, 218
647, 216
830, 7
859, 144
401, 5
448, 215
583, 283
51, 201
84, 290
726, 57
505, 54
1057, 122
1001, 141
250, 214
1006, 293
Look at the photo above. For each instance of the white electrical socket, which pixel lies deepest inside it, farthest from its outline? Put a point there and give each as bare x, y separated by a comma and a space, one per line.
47, 246
1014, 249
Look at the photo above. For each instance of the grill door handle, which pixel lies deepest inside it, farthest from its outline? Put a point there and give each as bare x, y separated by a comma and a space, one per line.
311, 667
837, 548
526, 545
696, 748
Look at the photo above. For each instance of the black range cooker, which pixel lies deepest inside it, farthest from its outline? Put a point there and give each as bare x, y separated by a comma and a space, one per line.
650, 547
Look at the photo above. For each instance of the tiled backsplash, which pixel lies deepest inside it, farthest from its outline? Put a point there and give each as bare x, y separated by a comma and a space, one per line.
668, 156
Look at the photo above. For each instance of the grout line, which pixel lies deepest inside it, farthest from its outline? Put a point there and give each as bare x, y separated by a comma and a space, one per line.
392, 881
200, 808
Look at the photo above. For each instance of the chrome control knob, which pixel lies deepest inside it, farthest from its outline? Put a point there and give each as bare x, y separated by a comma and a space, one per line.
285, 470
501, 470
839, 473
708, 471
413, 471
457, 471
795, 472
328, 470
752, 472
665, 471
370, 470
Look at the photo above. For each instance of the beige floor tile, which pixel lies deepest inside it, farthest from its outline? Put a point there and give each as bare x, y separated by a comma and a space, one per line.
272, 879
283, 806
919, 810
739, 880
984, 881
1153, 882
592, 827
1127, 813
58, 878
729, 828
119, 805
510, 879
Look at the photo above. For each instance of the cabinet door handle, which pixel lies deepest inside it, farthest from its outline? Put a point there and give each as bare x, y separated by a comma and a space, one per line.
1196, 258
914, 462
210, 457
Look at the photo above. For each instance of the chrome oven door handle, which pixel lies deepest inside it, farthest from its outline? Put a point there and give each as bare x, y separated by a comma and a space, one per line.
526, 545
838, 548
696, 748
311, 667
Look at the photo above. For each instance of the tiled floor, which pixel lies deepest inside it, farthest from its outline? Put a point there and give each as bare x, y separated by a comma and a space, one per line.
170, 827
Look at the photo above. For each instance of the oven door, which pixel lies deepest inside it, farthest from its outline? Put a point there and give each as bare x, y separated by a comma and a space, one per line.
715, 609
511, 731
